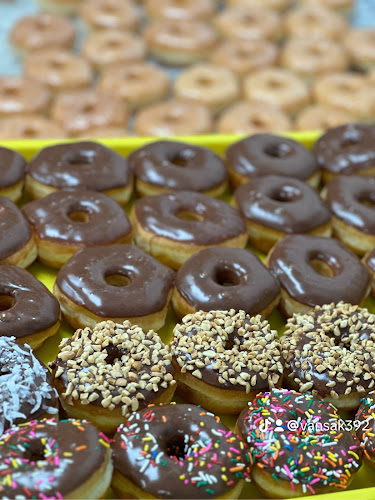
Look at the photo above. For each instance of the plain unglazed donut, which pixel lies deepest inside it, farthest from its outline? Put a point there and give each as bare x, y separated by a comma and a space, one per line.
30, 126
360, 44
19, 95
12, 174
321, 117
110, 14
180, 10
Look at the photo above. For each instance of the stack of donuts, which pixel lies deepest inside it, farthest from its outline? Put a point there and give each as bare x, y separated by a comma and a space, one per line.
187, 67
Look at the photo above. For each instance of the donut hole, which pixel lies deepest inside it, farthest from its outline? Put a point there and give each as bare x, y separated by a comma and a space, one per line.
275, 84
57, 64
321, 267
117, 279
113, 44
29, 131
368, 200
10, 91
248, 20
81, 158
35, 451
226, 277
79, 216
176, 447
113, 354
286, 194
181, 159
6, 302
257, 121
189, 215
204, 81
88, 108
279, 150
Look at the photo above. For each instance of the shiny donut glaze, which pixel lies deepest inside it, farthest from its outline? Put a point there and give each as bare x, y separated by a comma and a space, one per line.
26, 390
82, 279
159, 215
14, 228
290, 262
177, 165
34, 308
201, 281
12, 167
366, 431
266, 154
56, 473
85, 165
167, 467
344, 197
282, 203
50, 219
316, 454
347, 149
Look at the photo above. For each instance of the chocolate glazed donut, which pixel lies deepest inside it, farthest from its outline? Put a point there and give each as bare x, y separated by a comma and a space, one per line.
12, 173
316, 271
223, 279
369, 261
164, 166
266, 154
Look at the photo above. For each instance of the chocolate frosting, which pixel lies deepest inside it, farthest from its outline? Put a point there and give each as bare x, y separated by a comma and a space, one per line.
14, 229
203, 281
85, 165
267, 154
178, 166
345, 197
50, 219
366, 430
168, 466
76, 452
290, 261
282, 203
83, 280
218, 220
12, 167
369, 260
346, 149
33, 307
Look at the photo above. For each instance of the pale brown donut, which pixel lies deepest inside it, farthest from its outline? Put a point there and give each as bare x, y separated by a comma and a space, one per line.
360, 44
180, 10
19, 95
321, 117
110, 14
30, 127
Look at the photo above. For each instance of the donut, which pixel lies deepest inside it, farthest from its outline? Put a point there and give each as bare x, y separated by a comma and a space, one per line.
310, 58
58, 69
213, 86
50, 459
28, 310
267, 154
345, 150
30, 127
42, 31
137, 84
78, 112
168, 467
26, 390
80, 165
279, 87
248, 23
369, 261
66, 221
274, 205
163, 166
364, 420
278, 5
19, 96
173, 118
320, 117
117, 282
110, 14
315, 271
328, 352
105, 373
65, 7
172, 227
299, 445
235, 356
350, 199
243, 58
112, 47
12, 174
177, 10
360, 44
254, 118
179, 43
223, 279
342, 7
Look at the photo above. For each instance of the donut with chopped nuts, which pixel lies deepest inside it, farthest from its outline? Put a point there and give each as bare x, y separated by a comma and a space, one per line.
365, 427
298, 444
104, 373
156, 455
329, 352
224, 358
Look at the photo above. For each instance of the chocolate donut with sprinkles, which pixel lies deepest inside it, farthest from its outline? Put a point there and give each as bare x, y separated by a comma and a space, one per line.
365, 427
178, 451
299, 445
53, 460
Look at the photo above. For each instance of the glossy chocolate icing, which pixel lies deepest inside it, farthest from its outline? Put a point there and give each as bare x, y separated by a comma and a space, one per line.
14, 229
290, 263
219, 221
282, 203
84, 165
178, 166
82, 279
12, 167
366, 431
344, 197
179, 434
203, 281
266, 154
369, 260
346, 149
33, 308
76, 452
50, 219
